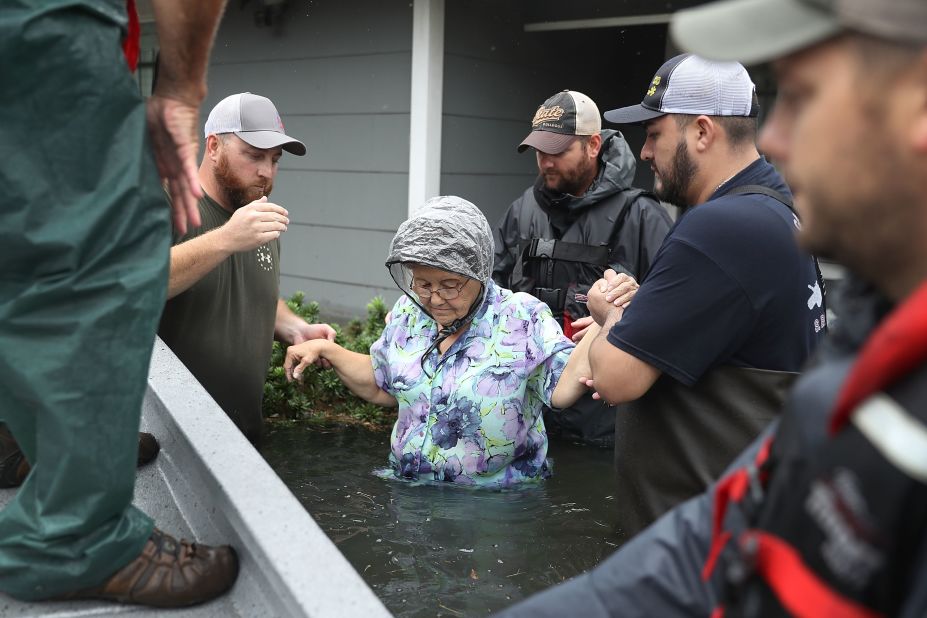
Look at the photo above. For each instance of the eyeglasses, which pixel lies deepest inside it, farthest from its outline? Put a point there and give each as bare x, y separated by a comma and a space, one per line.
445, 293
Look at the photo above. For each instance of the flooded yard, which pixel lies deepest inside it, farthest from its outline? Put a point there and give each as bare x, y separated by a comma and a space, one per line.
435, 550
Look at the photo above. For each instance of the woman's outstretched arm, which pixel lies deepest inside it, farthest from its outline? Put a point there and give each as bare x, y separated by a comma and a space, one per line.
353, 368
571, 385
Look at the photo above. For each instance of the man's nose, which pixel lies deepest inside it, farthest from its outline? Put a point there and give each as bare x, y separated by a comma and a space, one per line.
646, 152
774, 138
266, 169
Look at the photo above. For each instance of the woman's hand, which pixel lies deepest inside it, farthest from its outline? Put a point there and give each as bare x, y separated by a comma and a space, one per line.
613, 291
590, 384
580, 327
300, 356
353, 368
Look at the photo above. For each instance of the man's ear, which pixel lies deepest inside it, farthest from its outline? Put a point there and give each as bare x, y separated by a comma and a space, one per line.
706, 132
213, 144
594, 145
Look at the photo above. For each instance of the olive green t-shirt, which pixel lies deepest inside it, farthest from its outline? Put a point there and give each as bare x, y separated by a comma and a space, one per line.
222, 327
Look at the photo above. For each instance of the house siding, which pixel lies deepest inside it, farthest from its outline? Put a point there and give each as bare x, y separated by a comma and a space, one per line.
339, 74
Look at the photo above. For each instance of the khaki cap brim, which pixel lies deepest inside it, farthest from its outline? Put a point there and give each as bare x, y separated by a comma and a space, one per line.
751, 31
547, 142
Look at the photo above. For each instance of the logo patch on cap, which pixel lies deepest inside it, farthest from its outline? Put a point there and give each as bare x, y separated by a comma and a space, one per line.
653, 86
547, 114
688, 84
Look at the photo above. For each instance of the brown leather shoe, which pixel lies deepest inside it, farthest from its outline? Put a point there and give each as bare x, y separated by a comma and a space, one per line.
14, 468
168, 573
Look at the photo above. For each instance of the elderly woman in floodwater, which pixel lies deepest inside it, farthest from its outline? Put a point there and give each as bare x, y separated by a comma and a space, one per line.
469, 364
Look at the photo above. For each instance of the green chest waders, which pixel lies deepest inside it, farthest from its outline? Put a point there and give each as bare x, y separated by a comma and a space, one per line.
84, 237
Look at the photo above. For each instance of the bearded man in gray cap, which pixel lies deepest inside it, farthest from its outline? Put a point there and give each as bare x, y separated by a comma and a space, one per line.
824, 516
224, 308
581, 217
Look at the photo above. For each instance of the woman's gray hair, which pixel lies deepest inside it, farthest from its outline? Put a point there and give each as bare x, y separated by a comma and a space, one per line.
449, 233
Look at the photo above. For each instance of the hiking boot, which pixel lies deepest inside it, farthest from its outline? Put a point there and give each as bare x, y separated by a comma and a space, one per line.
14, 468
168, 573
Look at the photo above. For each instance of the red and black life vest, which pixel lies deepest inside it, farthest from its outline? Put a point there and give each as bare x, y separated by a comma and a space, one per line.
835, 532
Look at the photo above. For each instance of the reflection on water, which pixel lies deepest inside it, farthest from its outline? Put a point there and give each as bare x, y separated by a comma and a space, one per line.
435, 550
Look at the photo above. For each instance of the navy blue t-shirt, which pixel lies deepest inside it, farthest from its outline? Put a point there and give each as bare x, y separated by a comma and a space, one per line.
729, 286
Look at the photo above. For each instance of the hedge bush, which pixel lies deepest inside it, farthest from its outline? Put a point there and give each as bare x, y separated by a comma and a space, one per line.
321, 395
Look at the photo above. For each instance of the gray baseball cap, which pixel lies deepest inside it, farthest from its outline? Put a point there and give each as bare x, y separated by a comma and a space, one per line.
754, 31
254, 119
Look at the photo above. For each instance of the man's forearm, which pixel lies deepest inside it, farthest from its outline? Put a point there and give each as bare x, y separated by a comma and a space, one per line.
596, 360
611, 318
186, 31
193, 260
284, 323
600, 347
617, 375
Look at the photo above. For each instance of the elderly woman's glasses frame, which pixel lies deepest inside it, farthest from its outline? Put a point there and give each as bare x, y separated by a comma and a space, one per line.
444, 293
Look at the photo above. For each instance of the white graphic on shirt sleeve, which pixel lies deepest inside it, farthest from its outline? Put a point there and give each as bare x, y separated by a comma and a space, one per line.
816, 299
265, 258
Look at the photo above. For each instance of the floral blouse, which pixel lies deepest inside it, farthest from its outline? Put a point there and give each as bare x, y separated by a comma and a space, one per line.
478, 419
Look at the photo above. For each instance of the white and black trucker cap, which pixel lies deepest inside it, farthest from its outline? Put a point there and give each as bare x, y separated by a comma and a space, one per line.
689, 84
254, 119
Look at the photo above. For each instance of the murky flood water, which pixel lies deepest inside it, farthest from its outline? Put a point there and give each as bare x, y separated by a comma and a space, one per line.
433, 550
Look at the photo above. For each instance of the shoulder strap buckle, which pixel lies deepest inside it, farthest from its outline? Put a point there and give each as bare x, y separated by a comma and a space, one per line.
561, 250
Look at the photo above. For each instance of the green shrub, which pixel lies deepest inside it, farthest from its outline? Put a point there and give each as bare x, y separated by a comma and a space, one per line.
321, 395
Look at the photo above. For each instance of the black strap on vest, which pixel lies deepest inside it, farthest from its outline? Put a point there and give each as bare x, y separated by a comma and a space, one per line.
537, 249
566, 251
543, 252
779, 197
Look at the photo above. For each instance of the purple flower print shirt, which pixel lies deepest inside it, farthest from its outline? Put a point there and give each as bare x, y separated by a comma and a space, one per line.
478, 420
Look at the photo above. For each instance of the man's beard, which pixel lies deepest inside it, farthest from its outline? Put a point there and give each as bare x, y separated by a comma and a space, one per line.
576, 181
237, 193
675, 185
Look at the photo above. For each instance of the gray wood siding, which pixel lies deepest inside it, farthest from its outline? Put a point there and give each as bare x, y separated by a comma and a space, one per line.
490, 94
496, 76
339, 74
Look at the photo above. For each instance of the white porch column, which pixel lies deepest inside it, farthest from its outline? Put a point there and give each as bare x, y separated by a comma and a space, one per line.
426, 101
